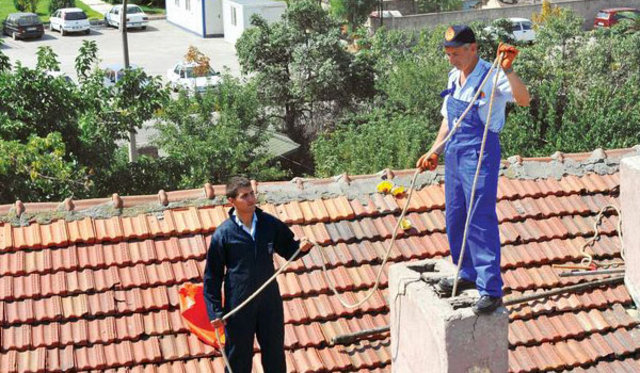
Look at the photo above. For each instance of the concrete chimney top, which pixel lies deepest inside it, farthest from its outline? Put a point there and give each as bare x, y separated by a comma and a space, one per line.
629, 202
430, 333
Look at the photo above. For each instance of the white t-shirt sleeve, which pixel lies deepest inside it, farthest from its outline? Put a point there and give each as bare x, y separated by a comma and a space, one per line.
504, 88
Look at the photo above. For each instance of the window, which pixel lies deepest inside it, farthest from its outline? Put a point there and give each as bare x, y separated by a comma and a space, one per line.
187, 4
234, 19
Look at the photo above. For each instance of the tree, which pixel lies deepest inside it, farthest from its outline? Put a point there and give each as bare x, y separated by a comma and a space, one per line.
303, 73
368, 143
39, 169
58, 4
4, 60
354, 12
216, 135
402, 119
434, 6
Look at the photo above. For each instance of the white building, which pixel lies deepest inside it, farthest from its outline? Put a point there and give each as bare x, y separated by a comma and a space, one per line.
230, 18
237, 15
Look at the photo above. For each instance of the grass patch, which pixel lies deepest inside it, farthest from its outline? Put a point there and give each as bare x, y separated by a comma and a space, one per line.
6, 7
152, 10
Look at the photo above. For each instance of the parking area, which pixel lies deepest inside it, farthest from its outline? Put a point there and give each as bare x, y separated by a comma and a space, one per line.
155, 49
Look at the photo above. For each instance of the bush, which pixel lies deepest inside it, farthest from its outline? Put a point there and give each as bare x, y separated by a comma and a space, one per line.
19, 5
57, 4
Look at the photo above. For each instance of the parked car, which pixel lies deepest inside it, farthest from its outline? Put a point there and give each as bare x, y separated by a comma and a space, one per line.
611, 16
22, 26
136, 17
114, 72
68, 20
520, 29
183, 75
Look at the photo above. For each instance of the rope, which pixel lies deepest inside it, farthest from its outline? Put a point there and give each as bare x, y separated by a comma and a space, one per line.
587, 259
391, 242
475, 177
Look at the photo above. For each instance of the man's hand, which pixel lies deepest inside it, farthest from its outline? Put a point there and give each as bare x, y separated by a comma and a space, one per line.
510, 53
217, 323
305, 245
427, 163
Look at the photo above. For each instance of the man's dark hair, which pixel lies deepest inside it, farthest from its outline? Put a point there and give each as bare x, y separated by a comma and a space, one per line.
235, 183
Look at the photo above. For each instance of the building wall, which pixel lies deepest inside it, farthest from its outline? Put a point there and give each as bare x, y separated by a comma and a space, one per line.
188, 19
406, 7
585, 8
213, 10
192, 19
243, 17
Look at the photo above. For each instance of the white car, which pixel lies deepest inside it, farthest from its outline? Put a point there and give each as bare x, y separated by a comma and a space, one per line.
68, 20
522, 30
136, 17
183, 75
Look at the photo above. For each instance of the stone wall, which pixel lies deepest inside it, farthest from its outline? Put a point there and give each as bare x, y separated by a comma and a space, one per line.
585, 8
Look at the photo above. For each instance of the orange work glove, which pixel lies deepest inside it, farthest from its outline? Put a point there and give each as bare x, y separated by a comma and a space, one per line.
427, 163
510, 53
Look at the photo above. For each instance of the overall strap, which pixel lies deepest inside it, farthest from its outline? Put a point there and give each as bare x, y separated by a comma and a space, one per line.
484, 75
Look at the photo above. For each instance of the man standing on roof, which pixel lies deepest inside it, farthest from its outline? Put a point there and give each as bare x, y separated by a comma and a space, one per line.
481, 262
241, 254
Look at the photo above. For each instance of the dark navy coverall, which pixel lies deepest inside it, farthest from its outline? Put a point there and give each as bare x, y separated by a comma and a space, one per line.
481, 262
245, 264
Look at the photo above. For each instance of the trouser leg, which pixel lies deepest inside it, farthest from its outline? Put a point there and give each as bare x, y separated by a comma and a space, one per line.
270, 333
456, 214
483, 238
239, 334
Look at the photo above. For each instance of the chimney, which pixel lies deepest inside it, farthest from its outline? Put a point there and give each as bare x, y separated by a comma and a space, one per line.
435, 334
629, 202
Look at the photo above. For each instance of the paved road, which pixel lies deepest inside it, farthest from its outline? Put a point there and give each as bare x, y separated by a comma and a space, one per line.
155, 49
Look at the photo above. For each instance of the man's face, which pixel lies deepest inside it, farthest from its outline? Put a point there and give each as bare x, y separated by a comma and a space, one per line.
245, 201
461, 57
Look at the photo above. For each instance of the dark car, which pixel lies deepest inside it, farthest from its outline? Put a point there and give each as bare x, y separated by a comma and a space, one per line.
611, 16
22, 26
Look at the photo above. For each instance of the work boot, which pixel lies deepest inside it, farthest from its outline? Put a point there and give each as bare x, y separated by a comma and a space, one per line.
487, 304
445, 285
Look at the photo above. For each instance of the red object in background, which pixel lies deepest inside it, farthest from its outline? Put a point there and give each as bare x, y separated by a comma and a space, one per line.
194, 312
611, 16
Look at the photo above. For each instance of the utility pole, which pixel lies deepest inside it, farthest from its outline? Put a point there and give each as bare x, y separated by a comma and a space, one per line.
133, 150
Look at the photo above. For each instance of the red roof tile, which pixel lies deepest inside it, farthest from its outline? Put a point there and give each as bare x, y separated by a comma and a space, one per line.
102, 293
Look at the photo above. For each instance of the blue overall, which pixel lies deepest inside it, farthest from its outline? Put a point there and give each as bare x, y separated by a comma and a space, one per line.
481, 262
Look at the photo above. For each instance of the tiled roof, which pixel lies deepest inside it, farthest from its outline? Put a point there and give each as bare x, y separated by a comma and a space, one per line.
101, 293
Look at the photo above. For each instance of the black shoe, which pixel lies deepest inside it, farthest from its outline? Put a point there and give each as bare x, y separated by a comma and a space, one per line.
445, 285
487, 304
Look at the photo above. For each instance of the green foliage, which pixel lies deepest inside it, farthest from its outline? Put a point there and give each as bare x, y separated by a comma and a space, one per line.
370, 142
35, 103
216, 135
302, 71
583, 88
354, 12
58, 4
434, 6
4, 60
87, 58
20, 5
410, 78
47, 59
38, 169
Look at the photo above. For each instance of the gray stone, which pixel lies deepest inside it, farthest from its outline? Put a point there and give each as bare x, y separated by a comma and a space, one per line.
434, 334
